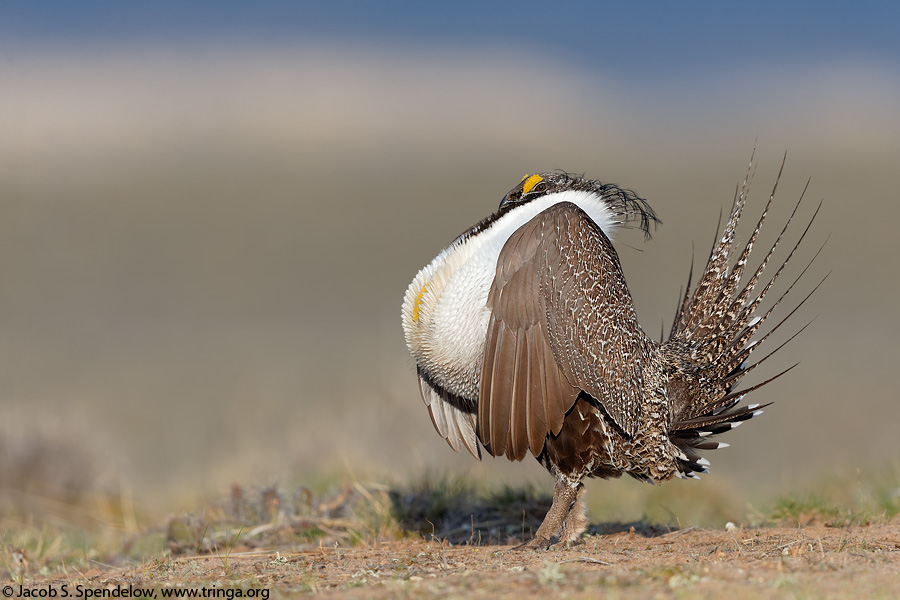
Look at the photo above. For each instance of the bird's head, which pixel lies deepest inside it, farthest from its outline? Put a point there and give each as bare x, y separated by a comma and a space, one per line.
535, 186
628, 207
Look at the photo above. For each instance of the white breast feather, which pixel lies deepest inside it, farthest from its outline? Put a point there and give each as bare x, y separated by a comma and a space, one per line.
447, 339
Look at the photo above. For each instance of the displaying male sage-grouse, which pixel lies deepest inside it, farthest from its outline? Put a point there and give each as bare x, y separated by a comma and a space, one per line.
526, 340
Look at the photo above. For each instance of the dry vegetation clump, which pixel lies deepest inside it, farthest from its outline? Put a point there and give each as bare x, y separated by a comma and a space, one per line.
296, 519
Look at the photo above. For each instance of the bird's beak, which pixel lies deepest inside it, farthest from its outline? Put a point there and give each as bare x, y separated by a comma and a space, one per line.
503, 202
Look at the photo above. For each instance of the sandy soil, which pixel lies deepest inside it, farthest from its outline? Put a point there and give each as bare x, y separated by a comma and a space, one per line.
811, 561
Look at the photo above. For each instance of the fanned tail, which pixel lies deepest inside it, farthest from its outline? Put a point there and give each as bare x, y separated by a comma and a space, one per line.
710, 343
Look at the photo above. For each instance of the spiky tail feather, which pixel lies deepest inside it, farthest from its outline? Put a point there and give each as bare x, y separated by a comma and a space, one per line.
710, 342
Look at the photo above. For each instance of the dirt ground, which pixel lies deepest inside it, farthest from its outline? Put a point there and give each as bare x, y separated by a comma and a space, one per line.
803, 562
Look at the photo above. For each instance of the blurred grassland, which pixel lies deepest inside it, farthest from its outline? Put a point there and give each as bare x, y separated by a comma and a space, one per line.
203, 253
112, 532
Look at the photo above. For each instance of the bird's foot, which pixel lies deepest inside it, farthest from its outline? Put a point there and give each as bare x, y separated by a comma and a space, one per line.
535, 543
566, 544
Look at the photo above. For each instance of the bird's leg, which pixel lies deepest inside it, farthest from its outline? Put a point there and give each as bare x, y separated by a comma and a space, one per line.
564, 497
576, 521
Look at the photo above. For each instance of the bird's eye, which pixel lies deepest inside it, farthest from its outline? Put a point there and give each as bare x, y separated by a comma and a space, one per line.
541, 187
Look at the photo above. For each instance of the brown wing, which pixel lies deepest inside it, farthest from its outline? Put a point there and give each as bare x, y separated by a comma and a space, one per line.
562, 321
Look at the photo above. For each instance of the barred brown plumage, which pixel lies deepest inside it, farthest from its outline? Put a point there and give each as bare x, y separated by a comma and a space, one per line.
526, 341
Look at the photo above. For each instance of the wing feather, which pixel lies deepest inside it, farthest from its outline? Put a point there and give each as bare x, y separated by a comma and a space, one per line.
535, 412
453, 424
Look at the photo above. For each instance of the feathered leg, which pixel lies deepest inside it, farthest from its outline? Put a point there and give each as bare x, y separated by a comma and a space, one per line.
576, 521
565, 496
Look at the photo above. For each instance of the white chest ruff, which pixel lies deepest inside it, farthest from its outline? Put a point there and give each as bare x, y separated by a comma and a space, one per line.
445, 317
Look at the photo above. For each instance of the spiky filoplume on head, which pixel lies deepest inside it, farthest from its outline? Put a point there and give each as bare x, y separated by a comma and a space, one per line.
526, 342
628, 208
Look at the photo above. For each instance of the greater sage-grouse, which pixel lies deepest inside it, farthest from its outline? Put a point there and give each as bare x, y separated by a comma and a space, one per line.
526, 341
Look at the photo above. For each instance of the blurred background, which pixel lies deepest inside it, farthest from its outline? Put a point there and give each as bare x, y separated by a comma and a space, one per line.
209, 213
